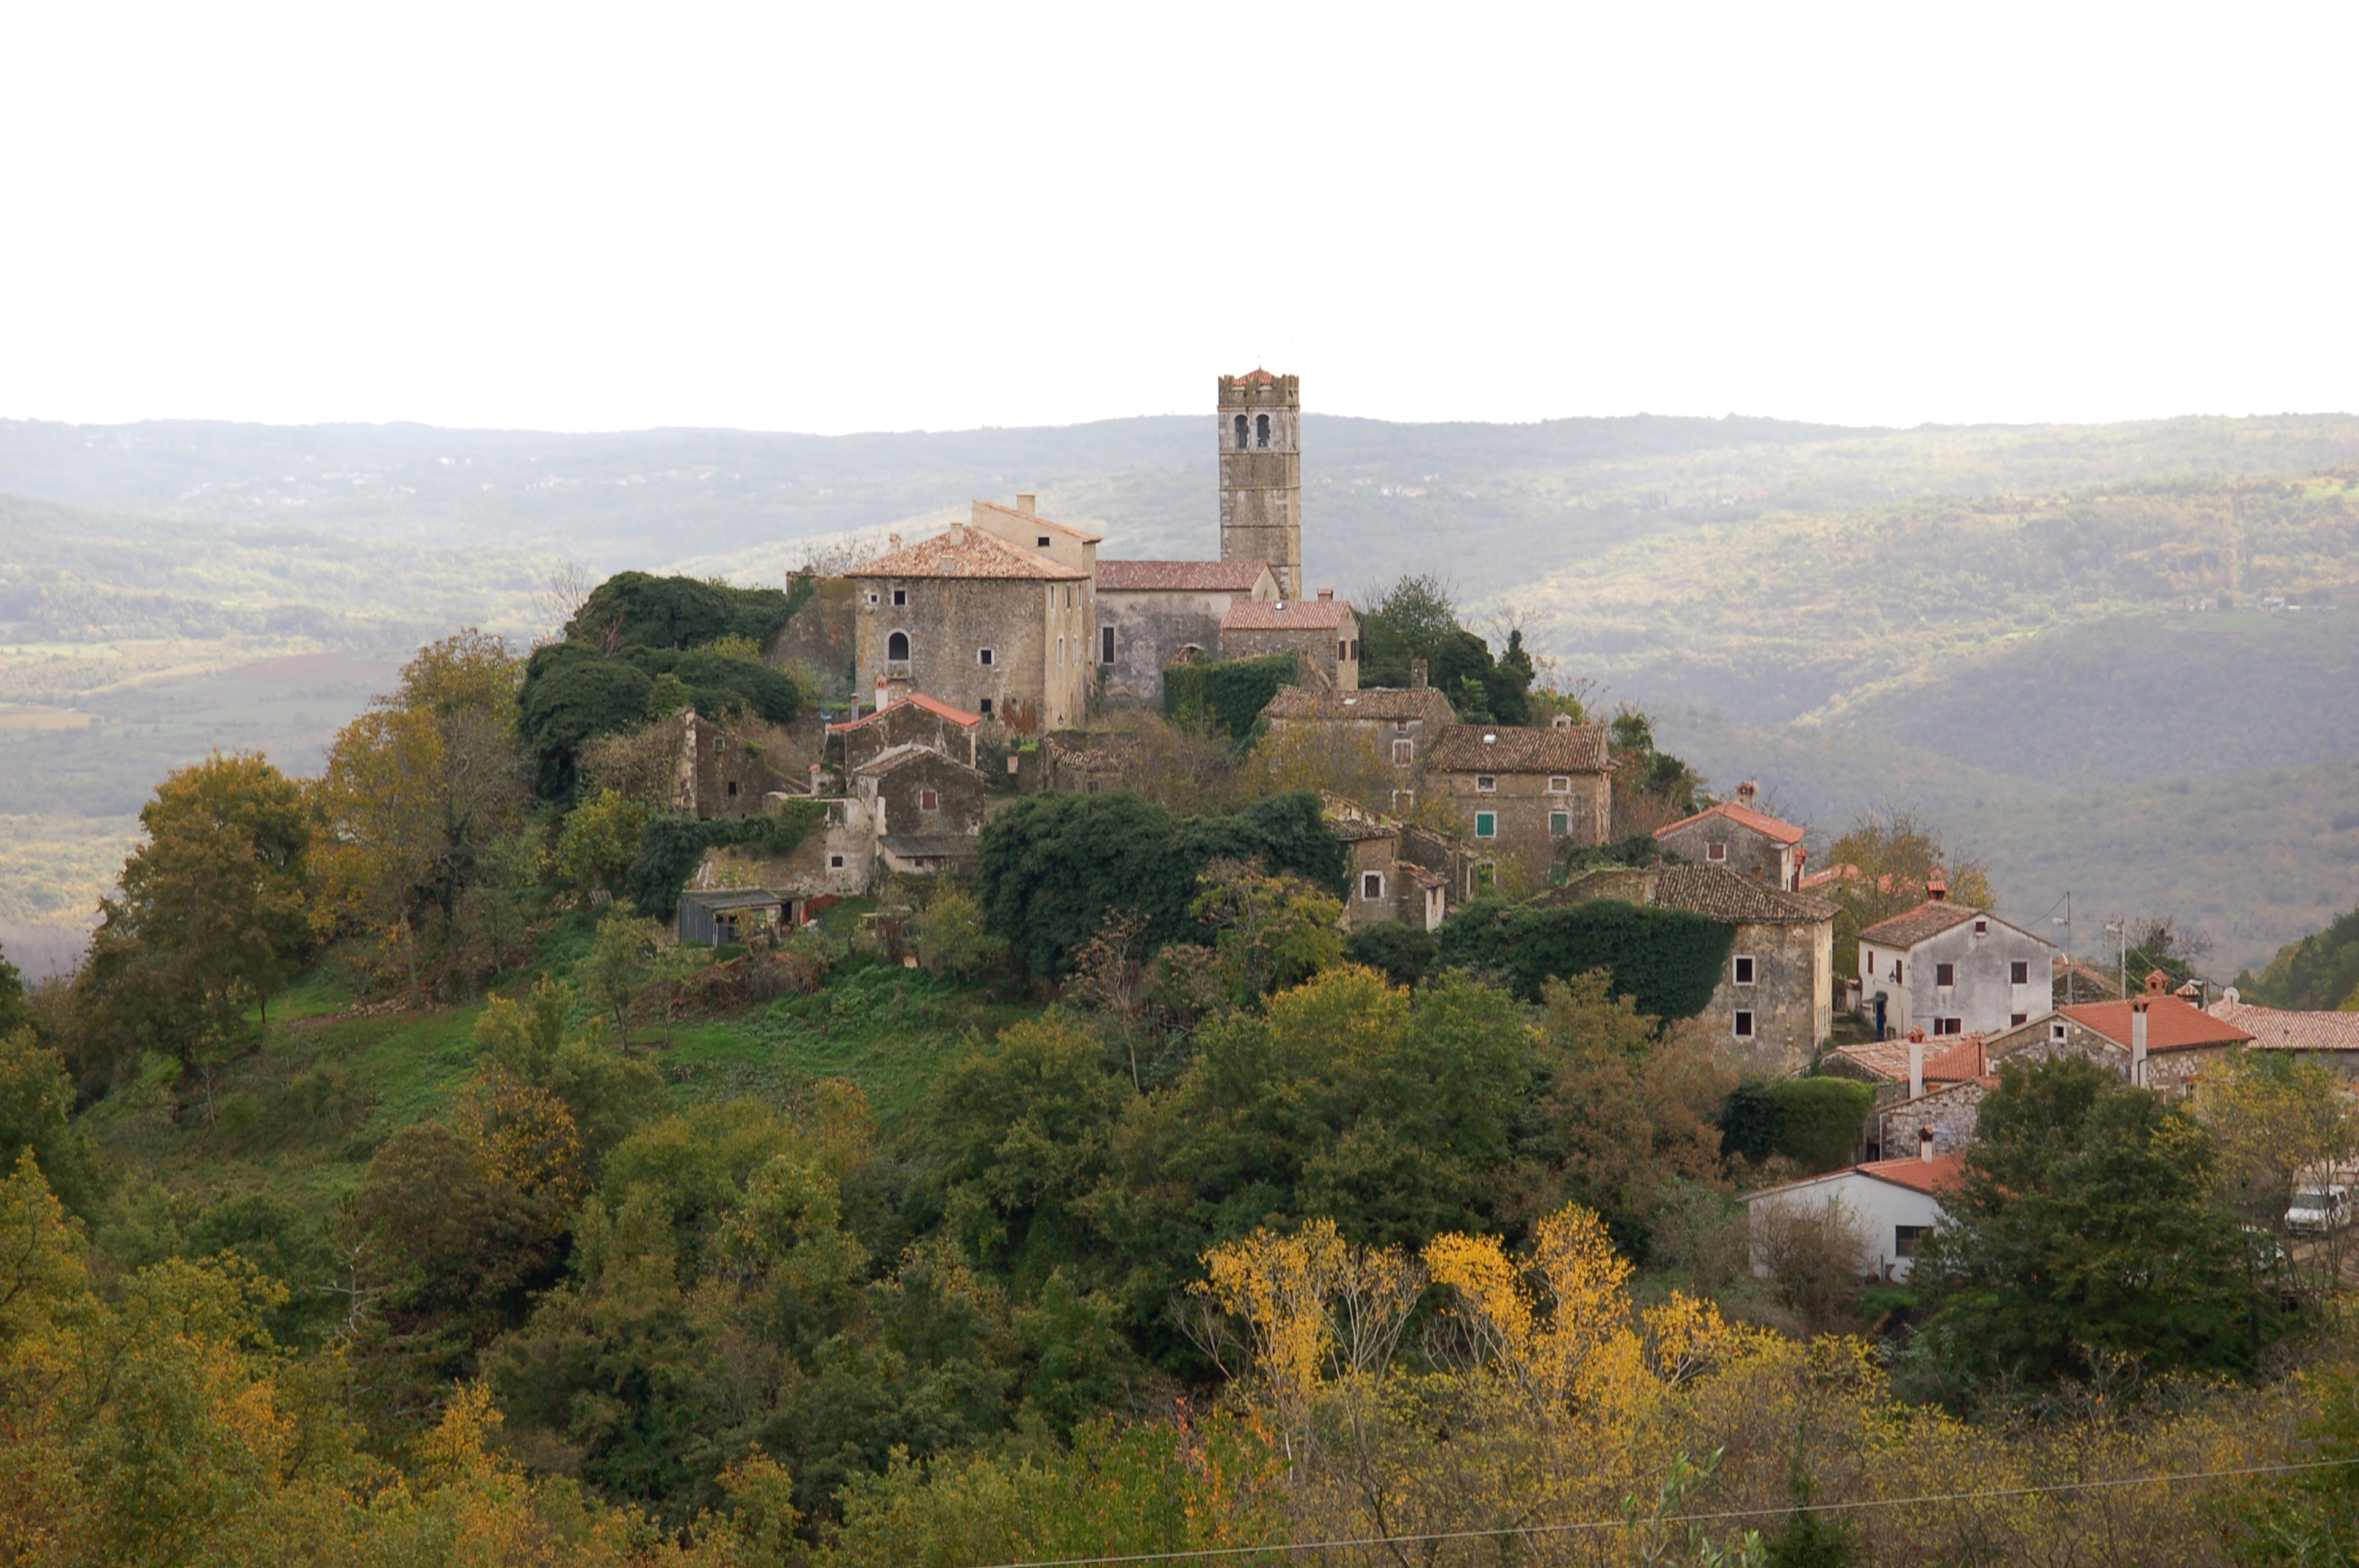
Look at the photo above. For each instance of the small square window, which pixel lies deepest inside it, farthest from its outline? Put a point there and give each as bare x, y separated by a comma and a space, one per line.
986, 708
900, 596
835, 862
2055, 1032
873, 601
1485, 785
1560, 824
1904, 1239
1945, 974
1560, 783
1042, 542
1404, 751
1715, 851
1982, 927
732, 786
1372, 884
1949, 1026
930, 800
1745, 968
982, 657
2014, 1018
1486, 825
1744, 1025
2019, 974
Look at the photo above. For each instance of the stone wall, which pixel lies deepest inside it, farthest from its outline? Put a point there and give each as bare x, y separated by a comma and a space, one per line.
1037, 631
1749, 853
1792, 997
1522, 805
823, 635
1321, 649
1149, 631
896, 796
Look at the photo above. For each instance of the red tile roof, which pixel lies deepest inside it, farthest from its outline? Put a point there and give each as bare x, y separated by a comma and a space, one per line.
1284, 615
1934, 1175
1761, 822
1179, 577
1254, 377
2170, 1024
1504, 748
1723, 894
1949, 1058
1084, 535
1369, 703
940, 709
964, 552
2278, 1029
1928, 919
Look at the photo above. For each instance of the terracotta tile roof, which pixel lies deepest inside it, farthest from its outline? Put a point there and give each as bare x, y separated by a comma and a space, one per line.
1377, 703
1928, 919
1935, 1175
964, 552
1949, 1058
1504, 748
1179, 577
1761, 822
1284, 615
1254, 377
1084, 535
1420, 876
1728, 895
2170, 1024
2277, 1029
1963, 1060
917, 699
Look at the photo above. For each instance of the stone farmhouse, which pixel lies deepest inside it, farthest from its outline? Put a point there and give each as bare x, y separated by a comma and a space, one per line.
1946, 968
1521, 792
1324, 631
1733, 834
1403, 725
2154, 1040
1918, 1084
918, 720
1400, 870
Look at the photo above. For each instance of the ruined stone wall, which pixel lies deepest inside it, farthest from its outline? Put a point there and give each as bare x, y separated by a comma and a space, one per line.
823, 636
898, 795
1319, 648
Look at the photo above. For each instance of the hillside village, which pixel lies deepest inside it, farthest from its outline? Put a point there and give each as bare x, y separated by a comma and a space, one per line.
989, 1051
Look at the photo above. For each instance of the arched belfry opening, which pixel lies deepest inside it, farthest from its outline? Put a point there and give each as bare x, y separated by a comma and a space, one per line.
1241, 432
1261, 432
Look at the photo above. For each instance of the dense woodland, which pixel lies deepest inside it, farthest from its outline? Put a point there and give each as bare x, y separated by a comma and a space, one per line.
384, 1188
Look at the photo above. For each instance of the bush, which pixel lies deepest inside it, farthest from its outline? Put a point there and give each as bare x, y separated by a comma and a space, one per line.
1404, 954
1819, 1119
1229, 694
641, 610
671, 847
1667, 960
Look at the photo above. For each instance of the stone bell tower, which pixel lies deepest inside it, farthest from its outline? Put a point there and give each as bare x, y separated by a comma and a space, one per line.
1261, 474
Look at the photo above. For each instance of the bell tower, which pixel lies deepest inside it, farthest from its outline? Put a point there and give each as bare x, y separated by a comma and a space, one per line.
1261, 474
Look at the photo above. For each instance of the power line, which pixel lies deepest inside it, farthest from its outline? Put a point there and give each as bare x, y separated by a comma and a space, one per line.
1203, 1553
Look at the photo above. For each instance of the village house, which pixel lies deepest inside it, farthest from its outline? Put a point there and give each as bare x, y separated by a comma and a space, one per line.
1399, 871
1324, 631
2330, 1039
1153, 612
1774, 1002
915, 719
1901, 1071
1949, 968
927, 808
2154, 1040
982, 624
1895, 1204
1733, 834
1401, 723
1519, 793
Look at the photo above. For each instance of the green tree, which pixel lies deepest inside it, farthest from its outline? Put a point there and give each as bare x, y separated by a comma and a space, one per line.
954, 938
37, 1102
600, 841
1882, 863
1405, 955
1269, 931
2317, 974
15, 1012
207, 920
1667, 961
621, 963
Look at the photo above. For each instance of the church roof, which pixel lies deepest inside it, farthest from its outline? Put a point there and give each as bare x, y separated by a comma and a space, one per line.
1179, 577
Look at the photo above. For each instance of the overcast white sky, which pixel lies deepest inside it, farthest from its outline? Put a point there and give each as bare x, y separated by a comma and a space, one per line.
858, 217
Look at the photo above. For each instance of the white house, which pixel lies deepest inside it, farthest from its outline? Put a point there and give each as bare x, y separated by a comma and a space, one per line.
1948, 968
1893, 1201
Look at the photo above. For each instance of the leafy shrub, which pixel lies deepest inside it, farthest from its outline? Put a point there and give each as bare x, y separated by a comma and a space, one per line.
1667, 960
672, 845
641, 610
1819, 1119
1404, 954
1230, 693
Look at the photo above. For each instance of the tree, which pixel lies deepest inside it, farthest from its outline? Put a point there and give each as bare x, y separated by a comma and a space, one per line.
600, 841
207, 920
621, 963
37, 1101
2318, 973
1269, 931
1414, 619
15, 1012
1405, 955
953, 937
1667, 961
1881, 865
1651, 787
2275, 1118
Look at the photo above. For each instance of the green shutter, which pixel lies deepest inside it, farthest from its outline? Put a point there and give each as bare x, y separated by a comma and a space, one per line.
1486, 824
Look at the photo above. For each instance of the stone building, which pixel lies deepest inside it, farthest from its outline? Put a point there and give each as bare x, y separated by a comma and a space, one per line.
1403, 724
836, 860
927, 807
1324, 630
981, 624
1399, 871
1917, 1083
2329, 1039
1023, 526
1944, 1118
717, 771
1152, 612
1946, 968
2154, 1040
1260, 436
1522, 791
1733, 834
916, 719
1775, 1001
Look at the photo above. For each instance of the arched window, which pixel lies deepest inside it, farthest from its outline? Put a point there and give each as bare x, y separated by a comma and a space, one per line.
896, 647
1241, 432
1261, 431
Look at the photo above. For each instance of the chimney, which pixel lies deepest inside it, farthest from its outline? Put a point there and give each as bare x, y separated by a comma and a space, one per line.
2157, 982
884, 692
2137, 1042
1417, 675
1745, 792
1325, 594
958, 535
1028, 504
1937, 886
1925, 1144
893, 541
1916, 1063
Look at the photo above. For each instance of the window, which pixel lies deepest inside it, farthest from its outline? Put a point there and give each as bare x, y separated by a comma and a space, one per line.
1560, 824
1343, 652
1485, 785
1069, 596
1896, 972
873, 601
983, 656
1745, 968
1744, 1025
732, 786
1945, 974
1904, 1239
1560, 783
1106, 644
835, 862
1486, 825
1404, 751
1949, 1026
900, 596
1713, 852
2056, 1033
986, 710
896, 647
1042, 541
1261, 431
930, 800
1982, 927
1371, 885
1241, 432
2019, 974
1060, 652
2014, 1018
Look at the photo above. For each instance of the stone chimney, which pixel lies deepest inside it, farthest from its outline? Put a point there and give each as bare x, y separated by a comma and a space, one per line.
1916, 1063
893, 541
1745, 792
1028, 504
1326, 594
1925, 1144
1937, 886
957, 535
1417, 675
2137, 1042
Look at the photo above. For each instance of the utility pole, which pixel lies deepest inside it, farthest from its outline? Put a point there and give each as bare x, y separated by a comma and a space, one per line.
2123, 931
